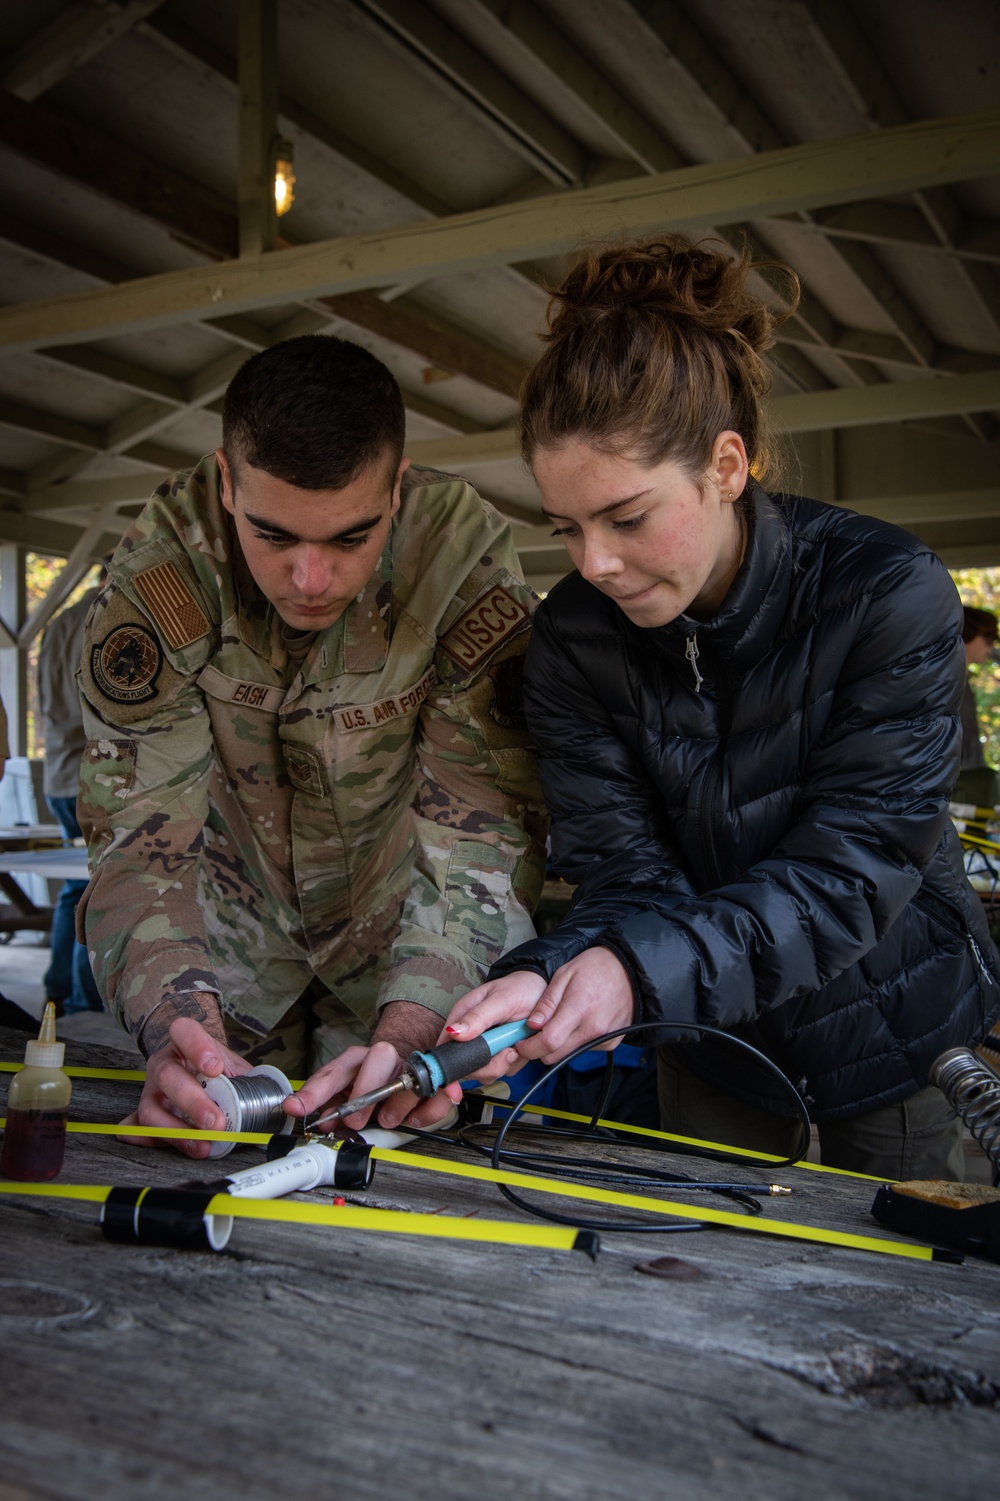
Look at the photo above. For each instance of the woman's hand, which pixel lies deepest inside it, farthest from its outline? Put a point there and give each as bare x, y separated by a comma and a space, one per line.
590, 995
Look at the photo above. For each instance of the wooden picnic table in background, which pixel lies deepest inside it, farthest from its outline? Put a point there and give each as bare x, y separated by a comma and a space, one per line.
306, 1361
19, 913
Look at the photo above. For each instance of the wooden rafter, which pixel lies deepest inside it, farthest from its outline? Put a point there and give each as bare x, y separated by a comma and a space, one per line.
66, 42
932, 151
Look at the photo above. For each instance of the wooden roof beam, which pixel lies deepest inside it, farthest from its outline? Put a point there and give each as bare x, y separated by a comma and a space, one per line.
437, 341
182, 41
26, 419
756, 132
101, 268
77, 151
813, 411
66, 42
863, 74
869, 220
541, 40
120, 372
46, 536
865, 79
257, 28
88, 495
823, 172
63, 251
203, 389
440, 52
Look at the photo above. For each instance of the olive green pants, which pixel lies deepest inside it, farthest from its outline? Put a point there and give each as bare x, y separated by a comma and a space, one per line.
921, 1137
314, 1030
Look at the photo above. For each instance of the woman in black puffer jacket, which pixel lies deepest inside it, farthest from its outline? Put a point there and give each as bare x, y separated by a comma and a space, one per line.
746, 707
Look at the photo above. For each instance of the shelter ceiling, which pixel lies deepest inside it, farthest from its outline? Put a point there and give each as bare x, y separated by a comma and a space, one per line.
403, 112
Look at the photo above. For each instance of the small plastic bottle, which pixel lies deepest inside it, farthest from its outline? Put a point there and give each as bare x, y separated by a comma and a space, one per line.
34, 1140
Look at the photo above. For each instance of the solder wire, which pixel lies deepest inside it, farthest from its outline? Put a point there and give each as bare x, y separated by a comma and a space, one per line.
261, 1099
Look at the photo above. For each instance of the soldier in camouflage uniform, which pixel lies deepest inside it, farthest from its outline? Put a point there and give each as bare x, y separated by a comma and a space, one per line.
308, 792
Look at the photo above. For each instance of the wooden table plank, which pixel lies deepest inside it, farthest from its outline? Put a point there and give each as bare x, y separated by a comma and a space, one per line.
327, 1363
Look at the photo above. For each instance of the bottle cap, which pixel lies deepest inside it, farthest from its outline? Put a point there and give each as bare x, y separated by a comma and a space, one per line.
46, 1052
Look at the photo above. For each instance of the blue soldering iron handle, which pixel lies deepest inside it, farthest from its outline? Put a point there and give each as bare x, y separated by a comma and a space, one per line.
452, 1061
507, 1035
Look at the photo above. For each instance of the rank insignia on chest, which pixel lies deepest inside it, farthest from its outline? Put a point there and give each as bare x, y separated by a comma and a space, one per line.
494, 616
126, 664
305, 770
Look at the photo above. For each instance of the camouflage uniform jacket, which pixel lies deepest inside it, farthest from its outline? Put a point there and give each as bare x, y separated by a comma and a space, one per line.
375, 821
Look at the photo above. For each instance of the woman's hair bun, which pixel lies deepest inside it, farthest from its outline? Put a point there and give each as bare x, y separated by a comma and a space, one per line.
700, 283
656, 346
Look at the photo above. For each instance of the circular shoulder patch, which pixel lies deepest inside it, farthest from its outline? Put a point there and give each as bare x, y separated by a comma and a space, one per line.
126, 664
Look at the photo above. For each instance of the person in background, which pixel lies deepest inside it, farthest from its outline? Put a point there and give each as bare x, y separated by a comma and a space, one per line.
11, 1015
977, 782
69, 980
746, 711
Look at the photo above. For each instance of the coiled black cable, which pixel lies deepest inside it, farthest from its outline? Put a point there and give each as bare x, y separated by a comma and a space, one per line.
625, 1175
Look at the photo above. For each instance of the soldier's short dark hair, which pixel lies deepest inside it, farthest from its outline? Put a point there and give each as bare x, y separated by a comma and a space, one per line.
315, 412
979, 623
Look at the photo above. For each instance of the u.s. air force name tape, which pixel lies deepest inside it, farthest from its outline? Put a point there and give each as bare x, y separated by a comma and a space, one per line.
785, 1229
340, 1217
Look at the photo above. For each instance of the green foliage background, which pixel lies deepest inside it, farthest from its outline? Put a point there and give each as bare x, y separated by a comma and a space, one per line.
981, 587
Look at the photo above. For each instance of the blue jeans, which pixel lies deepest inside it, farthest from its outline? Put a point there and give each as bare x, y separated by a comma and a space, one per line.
69, 977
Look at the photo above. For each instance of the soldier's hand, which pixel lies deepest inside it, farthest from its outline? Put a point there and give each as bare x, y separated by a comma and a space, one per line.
403, 1028
355, 1072
172, 1091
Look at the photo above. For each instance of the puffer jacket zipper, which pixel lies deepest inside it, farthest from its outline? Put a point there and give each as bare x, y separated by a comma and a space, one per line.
936, 906
692, 654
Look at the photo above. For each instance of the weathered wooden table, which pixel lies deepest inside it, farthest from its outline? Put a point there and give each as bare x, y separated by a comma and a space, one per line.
327, 1363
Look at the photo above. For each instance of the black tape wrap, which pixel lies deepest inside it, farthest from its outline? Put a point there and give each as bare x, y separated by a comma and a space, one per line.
457, 1061
159, 1217
280, 1146
355, 1167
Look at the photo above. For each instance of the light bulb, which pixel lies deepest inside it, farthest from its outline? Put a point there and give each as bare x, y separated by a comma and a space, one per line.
284, 178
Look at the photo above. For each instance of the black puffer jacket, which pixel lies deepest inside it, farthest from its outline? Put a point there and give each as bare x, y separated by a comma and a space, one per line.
755, 808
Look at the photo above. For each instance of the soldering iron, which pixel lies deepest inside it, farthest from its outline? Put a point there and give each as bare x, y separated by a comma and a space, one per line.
427, 1072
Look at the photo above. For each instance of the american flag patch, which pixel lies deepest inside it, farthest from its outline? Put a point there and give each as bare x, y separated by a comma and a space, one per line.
172, 605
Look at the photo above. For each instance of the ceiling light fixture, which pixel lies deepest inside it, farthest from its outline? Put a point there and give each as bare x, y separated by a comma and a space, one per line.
284, 176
